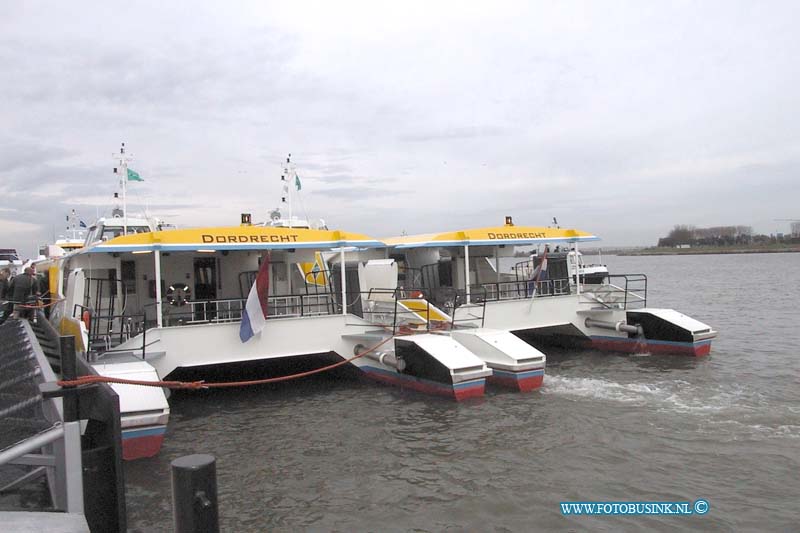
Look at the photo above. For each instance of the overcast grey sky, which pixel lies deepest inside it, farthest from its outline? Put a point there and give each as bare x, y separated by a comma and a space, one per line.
619, 118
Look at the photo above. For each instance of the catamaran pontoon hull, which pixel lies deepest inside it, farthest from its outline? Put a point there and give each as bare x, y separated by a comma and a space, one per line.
458, 391
651, 346
142, 442
522, 381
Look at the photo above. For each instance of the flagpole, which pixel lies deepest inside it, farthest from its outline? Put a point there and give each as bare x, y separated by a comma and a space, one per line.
288, 178
287, 188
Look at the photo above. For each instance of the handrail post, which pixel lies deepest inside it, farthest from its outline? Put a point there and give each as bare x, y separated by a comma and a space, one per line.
428, 314
466, 272
157, 268
343, 278
394, 318
645, 289
626, 292
144, 337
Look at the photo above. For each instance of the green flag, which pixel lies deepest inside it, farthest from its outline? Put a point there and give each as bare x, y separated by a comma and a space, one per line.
297, 182
134, 176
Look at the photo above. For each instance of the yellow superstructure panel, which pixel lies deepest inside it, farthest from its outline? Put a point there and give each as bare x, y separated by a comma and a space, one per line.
424, 310
492, 235
235, 237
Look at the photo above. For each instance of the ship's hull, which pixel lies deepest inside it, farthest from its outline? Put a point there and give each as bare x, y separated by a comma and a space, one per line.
525, 381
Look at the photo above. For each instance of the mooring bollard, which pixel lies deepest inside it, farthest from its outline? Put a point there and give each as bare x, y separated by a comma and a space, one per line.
194, 494
69, 371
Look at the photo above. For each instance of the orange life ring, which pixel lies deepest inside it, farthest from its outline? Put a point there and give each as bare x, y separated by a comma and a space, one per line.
178, 294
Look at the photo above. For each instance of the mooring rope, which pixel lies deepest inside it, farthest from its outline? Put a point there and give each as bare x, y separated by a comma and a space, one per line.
191, 385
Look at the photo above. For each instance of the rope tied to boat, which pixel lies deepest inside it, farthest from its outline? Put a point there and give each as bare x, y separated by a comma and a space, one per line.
194, 385
38, 305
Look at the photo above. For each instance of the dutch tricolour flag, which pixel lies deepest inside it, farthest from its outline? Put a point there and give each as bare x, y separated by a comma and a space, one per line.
254, 316
542, 274
538, 274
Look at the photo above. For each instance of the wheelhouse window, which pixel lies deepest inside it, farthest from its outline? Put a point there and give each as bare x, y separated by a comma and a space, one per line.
116, 231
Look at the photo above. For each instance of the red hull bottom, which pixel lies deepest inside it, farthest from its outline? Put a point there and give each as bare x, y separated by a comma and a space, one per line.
517, 381
141, 447
611, 344
459, 391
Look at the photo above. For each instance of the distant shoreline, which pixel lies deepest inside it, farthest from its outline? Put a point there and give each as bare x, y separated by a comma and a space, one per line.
709, 251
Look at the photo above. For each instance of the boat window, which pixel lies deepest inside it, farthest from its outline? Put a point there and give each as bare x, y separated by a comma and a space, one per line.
116, 231
110, 233
91, 236
138, 229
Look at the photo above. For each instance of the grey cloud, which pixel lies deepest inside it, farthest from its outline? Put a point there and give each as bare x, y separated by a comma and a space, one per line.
16, 155
358, 192
454, 133
628, 121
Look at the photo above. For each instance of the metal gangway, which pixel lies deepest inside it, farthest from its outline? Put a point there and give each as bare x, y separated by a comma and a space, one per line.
68, 436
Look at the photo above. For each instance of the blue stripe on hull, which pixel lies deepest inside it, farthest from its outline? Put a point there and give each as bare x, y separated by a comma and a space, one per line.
134, 433
437, 384
651, 341
519, 375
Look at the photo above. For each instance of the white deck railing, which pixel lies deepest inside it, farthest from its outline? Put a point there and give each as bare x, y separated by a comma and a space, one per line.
230, 310
610, 295
518, 290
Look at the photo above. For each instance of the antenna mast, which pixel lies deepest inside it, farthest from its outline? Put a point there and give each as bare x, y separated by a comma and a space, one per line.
288, 171
72, 229
123, 171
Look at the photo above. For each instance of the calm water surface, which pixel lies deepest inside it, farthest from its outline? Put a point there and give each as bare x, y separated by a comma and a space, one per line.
338, 453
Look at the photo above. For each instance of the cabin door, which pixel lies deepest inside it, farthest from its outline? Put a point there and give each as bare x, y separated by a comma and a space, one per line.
352, 287
205, 278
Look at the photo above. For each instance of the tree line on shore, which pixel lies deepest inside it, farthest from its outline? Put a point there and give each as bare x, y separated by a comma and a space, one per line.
686, 235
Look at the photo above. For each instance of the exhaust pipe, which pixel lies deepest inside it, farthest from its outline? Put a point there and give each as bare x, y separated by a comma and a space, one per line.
620, 326
385, 358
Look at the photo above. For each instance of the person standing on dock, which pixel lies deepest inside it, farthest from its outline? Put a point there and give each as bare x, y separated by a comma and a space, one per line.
4, 275
23, 289
5, 307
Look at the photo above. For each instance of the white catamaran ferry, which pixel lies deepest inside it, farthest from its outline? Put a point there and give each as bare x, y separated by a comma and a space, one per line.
541, 302
174, 299
433, 313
